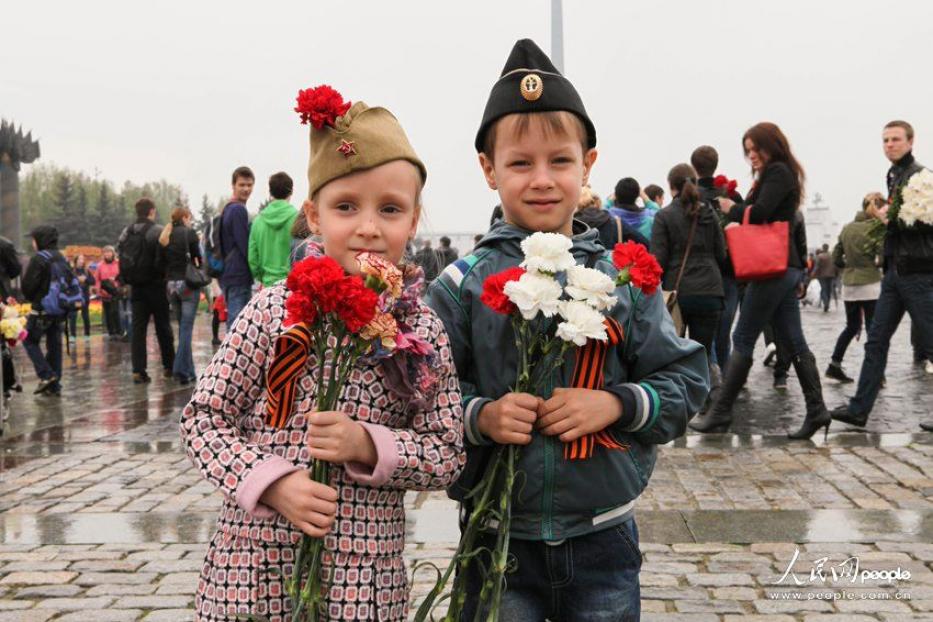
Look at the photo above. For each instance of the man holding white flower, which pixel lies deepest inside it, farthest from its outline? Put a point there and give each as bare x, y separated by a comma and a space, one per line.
908, 280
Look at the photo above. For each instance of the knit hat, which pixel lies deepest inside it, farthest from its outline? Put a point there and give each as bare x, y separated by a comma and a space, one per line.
346, 139
531, 83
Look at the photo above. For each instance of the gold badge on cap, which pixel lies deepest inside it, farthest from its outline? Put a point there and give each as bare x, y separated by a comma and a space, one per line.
532, 86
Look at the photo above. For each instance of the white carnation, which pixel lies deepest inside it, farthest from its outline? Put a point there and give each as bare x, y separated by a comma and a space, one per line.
582, 322
917, 196
534, 293
590, 286
547, 252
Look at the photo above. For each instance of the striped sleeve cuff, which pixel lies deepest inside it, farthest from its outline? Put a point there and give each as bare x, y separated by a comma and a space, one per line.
644, 404
471, 408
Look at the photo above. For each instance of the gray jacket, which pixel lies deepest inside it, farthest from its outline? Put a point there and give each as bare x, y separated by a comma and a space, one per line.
659, 378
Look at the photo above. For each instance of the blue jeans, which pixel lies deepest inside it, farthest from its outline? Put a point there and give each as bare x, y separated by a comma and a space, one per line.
236, 297
590, 578
125, 310
826, 291
773, 301
912, 293
186, 301
48, 365
723, 345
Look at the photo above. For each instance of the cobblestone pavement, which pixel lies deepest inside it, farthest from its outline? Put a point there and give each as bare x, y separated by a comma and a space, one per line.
103, 518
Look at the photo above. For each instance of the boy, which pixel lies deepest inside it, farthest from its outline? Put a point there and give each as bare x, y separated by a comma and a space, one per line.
573, 530
270, 237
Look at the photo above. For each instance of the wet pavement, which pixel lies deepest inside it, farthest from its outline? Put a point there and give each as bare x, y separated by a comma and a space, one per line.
103, 518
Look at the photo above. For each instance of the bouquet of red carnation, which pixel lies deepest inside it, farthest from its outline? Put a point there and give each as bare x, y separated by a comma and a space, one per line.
339, 318
725, 186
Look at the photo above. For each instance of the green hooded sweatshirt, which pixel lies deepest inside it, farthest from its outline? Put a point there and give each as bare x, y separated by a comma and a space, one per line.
270, 241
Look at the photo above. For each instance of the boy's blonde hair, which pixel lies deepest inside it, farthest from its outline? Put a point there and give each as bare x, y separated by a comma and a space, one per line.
552, 123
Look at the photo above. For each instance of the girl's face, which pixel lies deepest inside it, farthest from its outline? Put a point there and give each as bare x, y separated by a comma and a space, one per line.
758, 159
79, 261
372, 211
108, 255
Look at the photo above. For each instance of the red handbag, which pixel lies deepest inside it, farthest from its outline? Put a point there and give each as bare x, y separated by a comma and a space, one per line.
758, 252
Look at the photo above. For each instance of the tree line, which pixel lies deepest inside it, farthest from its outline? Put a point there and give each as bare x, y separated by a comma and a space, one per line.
90, 211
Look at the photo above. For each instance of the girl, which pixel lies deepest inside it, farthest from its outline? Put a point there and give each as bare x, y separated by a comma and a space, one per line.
775, 197
689, 245
181, 247
86, 279
394, 430
108, 275
857, 252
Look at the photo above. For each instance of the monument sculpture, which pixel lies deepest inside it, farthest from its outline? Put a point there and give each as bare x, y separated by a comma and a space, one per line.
15, 149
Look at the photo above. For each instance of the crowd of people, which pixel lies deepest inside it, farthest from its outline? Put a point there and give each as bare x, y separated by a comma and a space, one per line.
434, 417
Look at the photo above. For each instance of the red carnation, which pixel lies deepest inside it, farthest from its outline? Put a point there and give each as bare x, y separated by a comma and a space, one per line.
355, 303
637, 266
720, 180
493, 295
299, 309
316, 277
321, 106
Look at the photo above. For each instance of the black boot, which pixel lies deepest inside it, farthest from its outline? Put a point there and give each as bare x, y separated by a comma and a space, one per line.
817, 416
719, 417
835, 371
843, 414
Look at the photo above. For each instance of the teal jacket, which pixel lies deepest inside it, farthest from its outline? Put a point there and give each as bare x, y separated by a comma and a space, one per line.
270, 242
661, 380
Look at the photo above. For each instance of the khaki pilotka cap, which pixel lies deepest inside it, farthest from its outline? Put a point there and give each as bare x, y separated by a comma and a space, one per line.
360, 139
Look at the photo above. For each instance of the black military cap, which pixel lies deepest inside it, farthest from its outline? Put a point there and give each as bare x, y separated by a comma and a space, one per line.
531, 83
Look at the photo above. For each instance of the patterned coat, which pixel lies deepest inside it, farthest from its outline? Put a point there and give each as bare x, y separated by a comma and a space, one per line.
225, 436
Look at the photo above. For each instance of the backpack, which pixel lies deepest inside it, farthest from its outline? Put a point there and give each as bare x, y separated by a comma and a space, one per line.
213, 247
65, 293
137, 261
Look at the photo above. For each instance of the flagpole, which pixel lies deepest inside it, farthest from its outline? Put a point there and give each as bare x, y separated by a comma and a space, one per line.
557, 35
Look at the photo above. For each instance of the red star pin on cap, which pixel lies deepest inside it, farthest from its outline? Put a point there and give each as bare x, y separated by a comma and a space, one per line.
347, 148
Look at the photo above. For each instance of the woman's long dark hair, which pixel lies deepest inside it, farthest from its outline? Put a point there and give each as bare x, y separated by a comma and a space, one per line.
771, 141
683, 179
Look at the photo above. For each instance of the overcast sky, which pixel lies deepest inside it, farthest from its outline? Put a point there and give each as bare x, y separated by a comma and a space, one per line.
189, 90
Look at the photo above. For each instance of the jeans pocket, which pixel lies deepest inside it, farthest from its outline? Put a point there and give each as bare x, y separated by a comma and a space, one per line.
628, 534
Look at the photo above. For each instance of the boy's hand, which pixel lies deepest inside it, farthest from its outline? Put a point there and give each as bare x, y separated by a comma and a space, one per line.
510, 419
334, 437
308, 505
572, 413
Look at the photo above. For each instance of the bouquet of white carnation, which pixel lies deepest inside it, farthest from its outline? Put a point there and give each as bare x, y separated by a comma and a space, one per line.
916, 200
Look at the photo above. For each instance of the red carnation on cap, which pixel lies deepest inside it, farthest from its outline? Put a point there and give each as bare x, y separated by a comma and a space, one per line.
321, 106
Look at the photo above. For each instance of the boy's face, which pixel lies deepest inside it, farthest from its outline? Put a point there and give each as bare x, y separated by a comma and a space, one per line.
242, 189
375, 210
538, 175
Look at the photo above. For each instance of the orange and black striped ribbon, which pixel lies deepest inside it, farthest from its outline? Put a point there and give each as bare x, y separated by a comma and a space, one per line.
291, 354
588, 374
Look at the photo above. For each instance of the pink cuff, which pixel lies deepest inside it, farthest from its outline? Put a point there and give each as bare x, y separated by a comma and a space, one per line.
261, 477
386, 461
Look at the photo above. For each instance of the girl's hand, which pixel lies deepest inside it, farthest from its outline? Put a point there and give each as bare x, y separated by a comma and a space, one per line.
308, 505
334, 437
725, 204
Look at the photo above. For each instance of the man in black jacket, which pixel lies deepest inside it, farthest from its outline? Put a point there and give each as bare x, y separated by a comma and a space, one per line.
907, 284
36, 283
142, 266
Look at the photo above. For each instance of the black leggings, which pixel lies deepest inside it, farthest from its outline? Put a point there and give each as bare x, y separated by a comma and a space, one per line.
854, 311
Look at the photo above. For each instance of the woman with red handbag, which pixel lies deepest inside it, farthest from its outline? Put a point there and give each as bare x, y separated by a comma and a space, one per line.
764, 254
